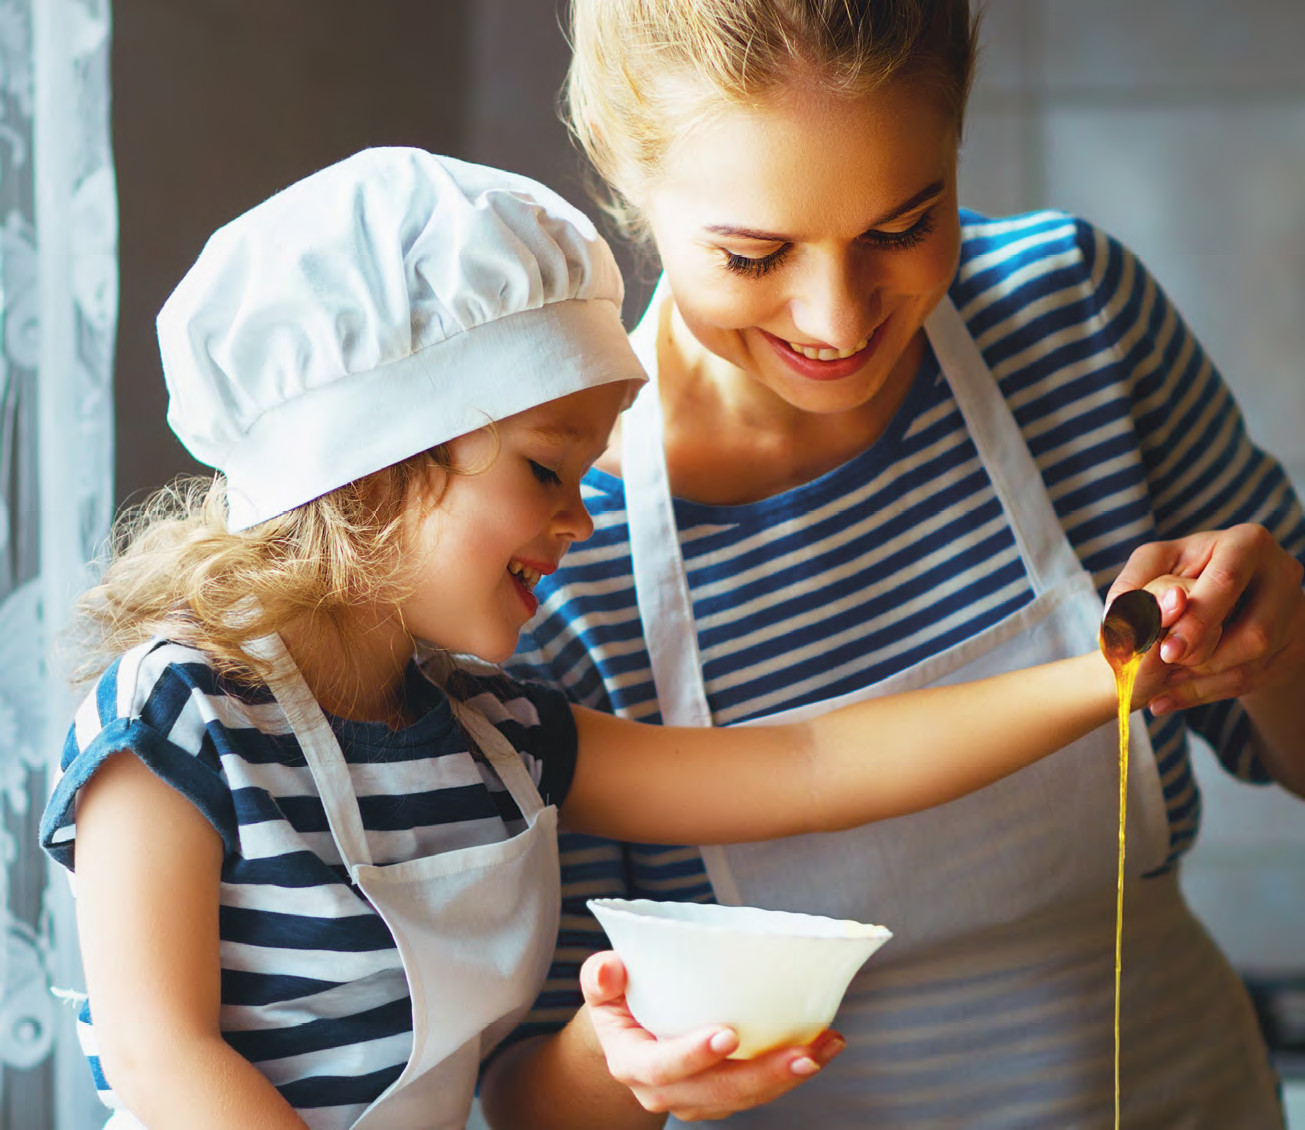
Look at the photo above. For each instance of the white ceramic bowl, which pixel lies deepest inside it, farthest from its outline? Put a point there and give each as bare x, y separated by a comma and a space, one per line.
776, 978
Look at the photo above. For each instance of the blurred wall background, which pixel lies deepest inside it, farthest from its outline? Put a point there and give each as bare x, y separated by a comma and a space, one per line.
1179, 125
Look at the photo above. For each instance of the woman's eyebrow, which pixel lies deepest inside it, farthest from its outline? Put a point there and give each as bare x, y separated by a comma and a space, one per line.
929, 191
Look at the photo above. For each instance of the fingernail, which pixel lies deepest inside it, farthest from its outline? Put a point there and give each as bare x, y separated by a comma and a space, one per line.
1173, 648
830, 1048
1160, 706
724, 1041
804, 1065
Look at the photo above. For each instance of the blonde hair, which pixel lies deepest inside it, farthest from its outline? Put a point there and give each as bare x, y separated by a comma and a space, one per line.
174, 569
640, 67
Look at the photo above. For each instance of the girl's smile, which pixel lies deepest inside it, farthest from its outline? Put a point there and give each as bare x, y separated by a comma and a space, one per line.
487, 533
527, 577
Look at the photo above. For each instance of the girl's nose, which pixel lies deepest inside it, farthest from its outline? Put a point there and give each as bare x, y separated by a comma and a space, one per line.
830, 302
572, 520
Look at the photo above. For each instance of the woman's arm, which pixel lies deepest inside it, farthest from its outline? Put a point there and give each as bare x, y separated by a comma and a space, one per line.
876, 759
148, 868
604, 1072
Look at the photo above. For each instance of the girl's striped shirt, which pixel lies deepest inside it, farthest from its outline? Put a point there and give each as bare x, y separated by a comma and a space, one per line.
904, 551
313, 991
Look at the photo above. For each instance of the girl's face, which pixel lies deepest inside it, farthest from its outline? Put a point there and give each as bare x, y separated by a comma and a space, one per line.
805, 239
491, 532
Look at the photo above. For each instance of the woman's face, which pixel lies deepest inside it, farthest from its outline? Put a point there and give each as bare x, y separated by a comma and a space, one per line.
806, 239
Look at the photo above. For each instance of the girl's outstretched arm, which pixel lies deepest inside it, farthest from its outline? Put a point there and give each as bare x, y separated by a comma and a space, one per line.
878, 758
148, 868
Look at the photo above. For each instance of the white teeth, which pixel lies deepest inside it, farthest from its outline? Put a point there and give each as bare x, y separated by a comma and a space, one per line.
526, 575
814, 354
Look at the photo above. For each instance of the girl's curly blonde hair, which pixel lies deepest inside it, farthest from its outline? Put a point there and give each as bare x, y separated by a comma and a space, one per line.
174, 569
641, 70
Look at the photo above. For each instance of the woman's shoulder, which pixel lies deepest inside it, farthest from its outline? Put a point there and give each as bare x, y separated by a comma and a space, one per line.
1048, 267
996, 247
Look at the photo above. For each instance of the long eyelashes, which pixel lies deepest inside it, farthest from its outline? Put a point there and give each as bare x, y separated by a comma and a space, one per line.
755, 268
913, 236
545, 475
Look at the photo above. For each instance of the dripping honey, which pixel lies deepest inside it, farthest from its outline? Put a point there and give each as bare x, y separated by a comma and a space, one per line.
1125, 673
1119, 649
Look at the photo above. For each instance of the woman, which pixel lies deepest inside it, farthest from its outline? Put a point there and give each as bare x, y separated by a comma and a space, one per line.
891, 445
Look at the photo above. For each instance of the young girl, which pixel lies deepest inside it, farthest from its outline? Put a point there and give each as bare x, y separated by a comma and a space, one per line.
314, 840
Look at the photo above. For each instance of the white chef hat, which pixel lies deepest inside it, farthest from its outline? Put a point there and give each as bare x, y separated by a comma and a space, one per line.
375, 309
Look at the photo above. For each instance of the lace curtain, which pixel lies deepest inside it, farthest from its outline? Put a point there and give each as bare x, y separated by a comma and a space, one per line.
58, 307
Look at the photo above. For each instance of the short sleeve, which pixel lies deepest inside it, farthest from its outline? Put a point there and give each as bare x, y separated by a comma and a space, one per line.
143, 704
535, 718
553, 742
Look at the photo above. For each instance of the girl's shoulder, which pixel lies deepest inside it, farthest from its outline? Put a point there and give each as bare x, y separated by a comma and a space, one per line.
534, 717
165, 702
522, 704
153, 681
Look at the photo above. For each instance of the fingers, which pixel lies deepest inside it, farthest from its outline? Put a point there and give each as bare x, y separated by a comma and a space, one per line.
1235, 558
602, 978
1234, 628
1242, 603
736, 1085
1171, 594
1183, 690
1184, 557
689, 1076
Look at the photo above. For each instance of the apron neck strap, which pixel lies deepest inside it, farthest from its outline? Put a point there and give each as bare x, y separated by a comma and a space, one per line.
1048, 556
330, 771
665, 603
489, 739
321, 750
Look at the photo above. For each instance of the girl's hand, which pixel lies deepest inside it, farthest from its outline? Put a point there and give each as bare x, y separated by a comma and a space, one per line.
1243, 627
689, 1076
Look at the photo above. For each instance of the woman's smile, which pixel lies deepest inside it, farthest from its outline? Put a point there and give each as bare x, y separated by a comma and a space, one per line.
822, 362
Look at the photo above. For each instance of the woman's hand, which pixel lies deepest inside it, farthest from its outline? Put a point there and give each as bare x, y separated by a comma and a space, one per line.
689, 1076
1243, 628
1240, 635
1153, 672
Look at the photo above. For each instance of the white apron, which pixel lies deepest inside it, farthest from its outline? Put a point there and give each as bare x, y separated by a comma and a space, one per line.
475, 927
993, 1003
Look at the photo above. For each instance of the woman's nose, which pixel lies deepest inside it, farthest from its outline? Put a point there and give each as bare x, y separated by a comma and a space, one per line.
830, 303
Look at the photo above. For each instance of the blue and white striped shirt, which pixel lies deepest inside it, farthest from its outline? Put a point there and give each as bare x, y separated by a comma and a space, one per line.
904, 551
313, 990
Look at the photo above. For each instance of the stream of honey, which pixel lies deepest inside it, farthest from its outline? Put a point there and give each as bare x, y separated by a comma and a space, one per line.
1125, 669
